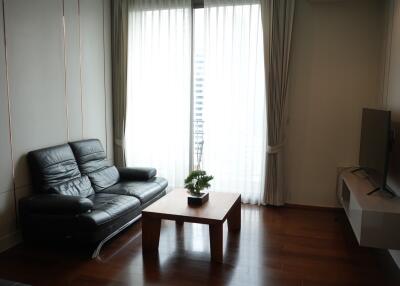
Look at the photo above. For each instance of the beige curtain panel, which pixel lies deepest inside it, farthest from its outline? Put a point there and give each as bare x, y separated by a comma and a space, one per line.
119, 76
277, 18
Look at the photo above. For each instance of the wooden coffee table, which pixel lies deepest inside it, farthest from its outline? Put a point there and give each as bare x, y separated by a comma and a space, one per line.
174, 206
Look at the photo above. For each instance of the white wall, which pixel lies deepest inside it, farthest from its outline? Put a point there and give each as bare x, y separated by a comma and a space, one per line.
392, 83
335, 71
54, 87
391, 94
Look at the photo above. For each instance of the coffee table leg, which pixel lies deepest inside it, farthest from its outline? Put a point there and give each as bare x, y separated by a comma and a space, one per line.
150, 233
216, 242
179, 222
234, 218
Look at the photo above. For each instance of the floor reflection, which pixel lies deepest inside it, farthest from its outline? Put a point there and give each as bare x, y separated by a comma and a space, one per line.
276, 246
186, 248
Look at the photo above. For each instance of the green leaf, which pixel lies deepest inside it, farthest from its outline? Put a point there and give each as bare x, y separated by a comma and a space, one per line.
198, 180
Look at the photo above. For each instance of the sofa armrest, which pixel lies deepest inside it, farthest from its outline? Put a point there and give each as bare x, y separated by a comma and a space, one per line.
55, 204
137, 174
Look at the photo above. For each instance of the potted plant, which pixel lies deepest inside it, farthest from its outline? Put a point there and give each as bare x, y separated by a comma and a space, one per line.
197, 181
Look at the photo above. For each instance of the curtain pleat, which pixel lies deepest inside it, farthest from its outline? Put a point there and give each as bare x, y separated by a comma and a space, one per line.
234, 98
277, 17
119, 76
158, 87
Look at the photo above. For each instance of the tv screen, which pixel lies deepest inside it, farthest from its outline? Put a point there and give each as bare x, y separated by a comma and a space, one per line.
374, 146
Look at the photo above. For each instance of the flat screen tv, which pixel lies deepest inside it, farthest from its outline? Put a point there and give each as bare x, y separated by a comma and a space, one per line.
374, 145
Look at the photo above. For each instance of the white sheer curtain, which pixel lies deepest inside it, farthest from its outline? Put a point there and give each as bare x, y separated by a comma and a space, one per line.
234, 98
158, 91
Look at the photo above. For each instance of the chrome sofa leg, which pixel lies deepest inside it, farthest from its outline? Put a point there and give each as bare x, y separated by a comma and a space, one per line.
96, 252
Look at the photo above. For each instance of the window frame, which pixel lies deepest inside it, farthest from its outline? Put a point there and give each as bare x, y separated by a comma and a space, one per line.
195, 4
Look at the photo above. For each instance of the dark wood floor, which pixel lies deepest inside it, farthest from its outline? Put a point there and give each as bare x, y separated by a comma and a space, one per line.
275, 247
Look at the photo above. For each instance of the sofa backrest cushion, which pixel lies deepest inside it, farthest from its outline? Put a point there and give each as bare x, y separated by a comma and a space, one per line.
104, 178
90, 155
80, 186
92, 161
52, 166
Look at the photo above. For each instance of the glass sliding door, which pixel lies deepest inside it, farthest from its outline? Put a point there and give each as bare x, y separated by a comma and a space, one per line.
229, 123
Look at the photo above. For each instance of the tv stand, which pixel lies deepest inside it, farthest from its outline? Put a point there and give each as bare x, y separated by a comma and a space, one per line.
374, 218
356, 170
381, 189
374, 191
353, 171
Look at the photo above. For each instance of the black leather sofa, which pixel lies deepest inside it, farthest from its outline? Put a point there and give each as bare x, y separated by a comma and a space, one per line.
80, 196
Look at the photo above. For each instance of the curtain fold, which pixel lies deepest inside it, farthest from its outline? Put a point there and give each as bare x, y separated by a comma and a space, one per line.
277, 18
234, 97
158, 87
119, 76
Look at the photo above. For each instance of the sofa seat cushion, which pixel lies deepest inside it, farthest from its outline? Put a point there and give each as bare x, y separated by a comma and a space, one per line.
143, 190
107, 207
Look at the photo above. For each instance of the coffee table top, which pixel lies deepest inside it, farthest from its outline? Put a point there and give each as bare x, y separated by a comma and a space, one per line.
174, 206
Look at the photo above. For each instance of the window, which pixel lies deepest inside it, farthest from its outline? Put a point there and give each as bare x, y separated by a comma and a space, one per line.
198, 82
196, 93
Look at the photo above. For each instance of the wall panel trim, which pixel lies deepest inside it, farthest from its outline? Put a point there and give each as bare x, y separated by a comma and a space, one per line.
65, 68
10, 135
80, 66
104, 77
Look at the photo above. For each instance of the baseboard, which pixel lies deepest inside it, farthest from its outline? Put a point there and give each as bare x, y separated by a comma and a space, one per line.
319, 208
9, 240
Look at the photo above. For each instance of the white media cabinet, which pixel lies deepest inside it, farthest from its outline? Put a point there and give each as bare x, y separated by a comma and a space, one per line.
375, 218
